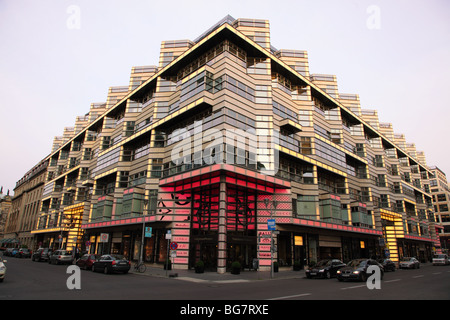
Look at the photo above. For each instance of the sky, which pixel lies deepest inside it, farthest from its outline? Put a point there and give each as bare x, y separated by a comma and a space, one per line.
58, 57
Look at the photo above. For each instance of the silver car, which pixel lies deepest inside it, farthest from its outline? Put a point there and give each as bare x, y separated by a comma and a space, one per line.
2, 269
440, 259
61, 256
409, 263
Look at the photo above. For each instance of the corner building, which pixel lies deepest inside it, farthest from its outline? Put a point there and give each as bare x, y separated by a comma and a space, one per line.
224, 134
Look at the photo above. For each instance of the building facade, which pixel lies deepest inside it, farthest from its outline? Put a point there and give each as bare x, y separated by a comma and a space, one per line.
5, 208
441, 200
224, 136
26, 206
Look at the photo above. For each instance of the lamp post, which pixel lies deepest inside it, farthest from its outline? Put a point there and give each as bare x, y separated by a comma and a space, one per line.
143, 232
274, 206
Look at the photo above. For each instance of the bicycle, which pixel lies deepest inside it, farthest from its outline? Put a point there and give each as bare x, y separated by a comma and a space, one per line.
140, 266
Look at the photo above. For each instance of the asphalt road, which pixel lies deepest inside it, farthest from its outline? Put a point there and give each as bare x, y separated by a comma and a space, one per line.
28, 280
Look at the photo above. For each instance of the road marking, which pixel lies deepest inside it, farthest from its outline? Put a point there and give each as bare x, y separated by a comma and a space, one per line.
293, 296
232, 281
437, 272
418, 276
354, 287
191, 279
392, 280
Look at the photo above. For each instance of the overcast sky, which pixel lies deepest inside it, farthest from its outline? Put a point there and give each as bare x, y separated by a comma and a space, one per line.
57, 57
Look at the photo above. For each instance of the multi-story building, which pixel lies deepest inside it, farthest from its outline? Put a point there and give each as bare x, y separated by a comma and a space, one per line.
26, 205
5, 208
226, 134
441, 200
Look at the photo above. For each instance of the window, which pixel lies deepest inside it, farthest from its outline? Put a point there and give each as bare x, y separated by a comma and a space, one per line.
382, 180
157, 168
306, 207
378, 161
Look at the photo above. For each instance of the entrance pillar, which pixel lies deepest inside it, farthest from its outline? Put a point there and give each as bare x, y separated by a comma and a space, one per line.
222, 236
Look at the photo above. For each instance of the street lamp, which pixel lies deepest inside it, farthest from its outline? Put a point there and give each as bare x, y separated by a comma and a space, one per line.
143, 231
274, 206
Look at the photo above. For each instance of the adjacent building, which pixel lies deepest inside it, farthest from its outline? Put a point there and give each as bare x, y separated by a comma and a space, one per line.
226, 136
26, 207
441, 200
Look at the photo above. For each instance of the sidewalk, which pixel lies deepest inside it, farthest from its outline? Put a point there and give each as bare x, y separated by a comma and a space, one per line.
211, 276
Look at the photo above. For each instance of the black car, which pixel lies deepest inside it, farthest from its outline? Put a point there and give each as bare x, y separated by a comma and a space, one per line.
41, 254
388, 264
324, 269
110, 263
357, 270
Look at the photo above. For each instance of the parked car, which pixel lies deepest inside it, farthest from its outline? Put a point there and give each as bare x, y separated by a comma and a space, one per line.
87, 260
10, 252
357, 270
61, 256
440, 259
2, 269
324, 269
41, 254
23, 253
409, 263
110, 263
388, 264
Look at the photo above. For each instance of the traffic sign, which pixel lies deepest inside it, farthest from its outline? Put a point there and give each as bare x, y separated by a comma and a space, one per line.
271, 224
104, 237
148, 232
173, 245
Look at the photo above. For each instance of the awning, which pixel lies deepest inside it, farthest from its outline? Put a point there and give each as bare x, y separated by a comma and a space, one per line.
9, 240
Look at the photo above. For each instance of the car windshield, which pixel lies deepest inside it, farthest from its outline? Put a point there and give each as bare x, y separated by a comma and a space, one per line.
66, 253
439, 256
406, 259
323, 263
357, 263
117, 257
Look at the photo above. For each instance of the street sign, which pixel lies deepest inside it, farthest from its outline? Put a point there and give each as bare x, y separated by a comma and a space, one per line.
104, 237
168, 235
173, 245
271, 224
148, 232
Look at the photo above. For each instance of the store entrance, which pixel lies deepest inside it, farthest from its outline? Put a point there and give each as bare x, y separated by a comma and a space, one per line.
241, 249
203, 248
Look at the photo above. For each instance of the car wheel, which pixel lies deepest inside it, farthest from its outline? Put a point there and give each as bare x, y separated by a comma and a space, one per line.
93, 269
105, 271
328, 275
